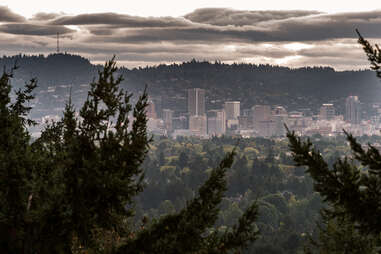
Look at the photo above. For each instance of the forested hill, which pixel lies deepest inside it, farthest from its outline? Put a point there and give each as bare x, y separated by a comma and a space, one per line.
54, 69
251, 84
257, 84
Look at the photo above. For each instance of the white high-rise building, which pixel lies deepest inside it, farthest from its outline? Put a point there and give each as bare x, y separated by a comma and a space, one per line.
327, 112
216, 122
151, 112
280, 117
232, 110
196, 102
168, 119
198, 125
260, 113
353, 110
261, 117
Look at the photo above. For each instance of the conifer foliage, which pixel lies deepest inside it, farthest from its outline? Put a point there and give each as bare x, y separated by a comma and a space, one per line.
345, 185
16, 166
187, 231
372, 52
352, 190
80, 177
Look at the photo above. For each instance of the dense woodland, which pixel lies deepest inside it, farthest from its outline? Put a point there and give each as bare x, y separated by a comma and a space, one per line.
264, 170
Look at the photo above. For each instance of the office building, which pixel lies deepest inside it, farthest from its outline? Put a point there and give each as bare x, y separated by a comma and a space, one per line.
327, 112
168, 119
352, 110
216, 122
244, 122
180, 122
280, 117
151, 111
196, 102
232, 110
260, 113
158, 102
198, 125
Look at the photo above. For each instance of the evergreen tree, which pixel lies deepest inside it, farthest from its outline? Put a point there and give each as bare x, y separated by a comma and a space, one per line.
352, 189
77, 181
346, 185
16, 167
183, 160
351, 222
97, 158
373, 54
339, 235
190, 230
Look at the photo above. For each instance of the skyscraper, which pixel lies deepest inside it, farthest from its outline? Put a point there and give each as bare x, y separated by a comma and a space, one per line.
260, 113
198, 125
232, 109
151, 112
196, 102
327, 111
353, 110
280, 117
168, 119
216, 122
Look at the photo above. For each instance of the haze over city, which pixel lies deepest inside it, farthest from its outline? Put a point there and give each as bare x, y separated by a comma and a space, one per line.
292, 33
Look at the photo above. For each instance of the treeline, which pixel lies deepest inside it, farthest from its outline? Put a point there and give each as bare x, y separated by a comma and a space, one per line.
249, 83
51, 70
258, 84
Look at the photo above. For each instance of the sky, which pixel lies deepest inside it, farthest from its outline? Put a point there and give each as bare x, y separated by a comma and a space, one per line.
141, 33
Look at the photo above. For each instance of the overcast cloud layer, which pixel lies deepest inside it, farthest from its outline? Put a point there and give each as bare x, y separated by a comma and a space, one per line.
292, 38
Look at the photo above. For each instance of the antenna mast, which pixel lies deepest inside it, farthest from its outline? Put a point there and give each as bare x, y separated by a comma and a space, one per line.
58, 43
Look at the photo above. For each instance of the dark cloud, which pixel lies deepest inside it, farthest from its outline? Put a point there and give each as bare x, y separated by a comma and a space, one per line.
6, 15
224, 17
121, 20
43, 16
32, 29
23, 44
201, 34
212, 25
102, 30
327, 26
306, 28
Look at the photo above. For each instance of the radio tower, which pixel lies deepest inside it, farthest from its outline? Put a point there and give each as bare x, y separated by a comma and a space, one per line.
58, 43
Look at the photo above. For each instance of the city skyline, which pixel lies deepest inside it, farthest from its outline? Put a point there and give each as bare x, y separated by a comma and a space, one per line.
231, 32
262, 120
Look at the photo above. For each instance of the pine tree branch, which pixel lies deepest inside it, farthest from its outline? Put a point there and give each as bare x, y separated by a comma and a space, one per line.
343, 185
187, 231
370, 158
182, 232
373, 54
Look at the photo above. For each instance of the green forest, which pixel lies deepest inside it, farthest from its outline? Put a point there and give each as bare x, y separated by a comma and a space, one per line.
263, 171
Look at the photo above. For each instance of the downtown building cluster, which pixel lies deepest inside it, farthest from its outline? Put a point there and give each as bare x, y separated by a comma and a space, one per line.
256, 121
